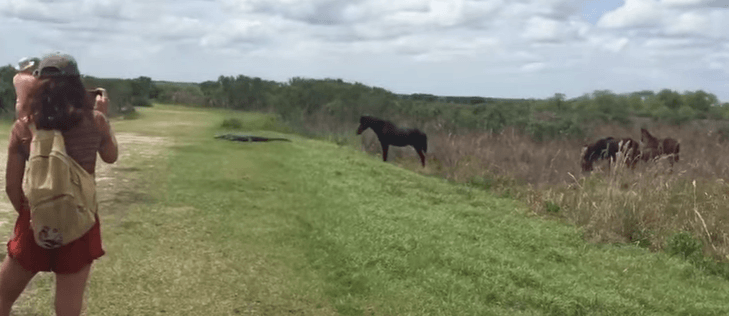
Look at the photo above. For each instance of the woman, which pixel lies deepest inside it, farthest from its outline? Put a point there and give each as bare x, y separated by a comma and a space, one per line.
57, 100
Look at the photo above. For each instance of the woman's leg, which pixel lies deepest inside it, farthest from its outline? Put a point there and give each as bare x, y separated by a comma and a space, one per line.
13, 279
70, 292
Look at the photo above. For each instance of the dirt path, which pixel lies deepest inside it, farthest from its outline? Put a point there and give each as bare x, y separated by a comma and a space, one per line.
114, 181
122, 184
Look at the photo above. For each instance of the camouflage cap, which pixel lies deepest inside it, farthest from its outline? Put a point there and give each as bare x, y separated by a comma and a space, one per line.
27, 64
57, 65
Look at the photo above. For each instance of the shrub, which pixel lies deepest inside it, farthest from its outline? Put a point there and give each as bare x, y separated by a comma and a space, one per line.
141, 101
131, 115
683, 244
232, 123
551, 207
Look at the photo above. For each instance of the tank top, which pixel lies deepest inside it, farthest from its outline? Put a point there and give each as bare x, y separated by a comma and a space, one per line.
82, 141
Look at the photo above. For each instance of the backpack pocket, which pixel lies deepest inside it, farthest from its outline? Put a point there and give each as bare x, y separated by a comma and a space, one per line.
58, 221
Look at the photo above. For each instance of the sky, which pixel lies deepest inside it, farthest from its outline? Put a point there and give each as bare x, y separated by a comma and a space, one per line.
488, 48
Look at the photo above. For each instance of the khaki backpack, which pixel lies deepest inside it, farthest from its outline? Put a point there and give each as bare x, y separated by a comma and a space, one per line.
61, 194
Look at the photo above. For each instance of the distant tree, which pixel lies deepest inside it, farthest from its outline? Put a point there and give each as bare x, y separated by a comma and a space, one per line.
636, 105
671, 99
611, 106
7, 91
558, 101
142, 88
699, 100
644, 94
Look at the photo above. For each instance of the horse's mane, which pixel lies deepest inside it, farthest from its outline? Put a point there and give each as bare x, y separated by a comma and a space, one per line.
608, 147
648, 139
372, 119
657, 147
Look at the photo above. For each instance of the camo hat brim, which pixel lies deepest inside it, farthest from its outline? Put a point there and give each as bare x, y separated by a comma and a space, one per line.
57, 65
27, 64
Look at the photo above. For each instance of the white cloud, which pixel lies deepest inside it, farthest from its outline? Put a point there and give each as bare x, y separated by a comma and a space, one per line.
697, 3
234, 32
689, 23
558, 9
635, 13
679, 3
33, 10
107, 9
176, 28
547, 30
406, 44
533, 67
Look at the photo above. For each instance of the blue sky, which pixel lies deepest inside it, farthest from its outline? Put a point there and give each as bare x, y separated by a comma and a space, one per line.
594, 9
492, 48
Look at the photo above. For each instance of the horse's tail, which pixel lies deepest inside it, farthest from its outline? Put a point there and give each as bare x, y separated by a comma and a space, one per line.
678, 149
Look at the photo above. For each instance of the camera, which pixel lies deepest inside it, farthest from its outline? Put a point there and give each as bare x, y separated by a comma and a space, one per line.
97, 91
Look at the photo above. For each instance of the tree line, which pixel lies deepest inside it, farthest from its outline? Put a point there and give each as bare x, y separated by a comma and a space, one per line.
299, 99
124, 94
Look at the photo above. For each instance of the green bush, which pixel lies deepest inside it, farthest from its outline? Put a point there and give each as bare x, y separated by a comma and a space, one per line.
141, 101
559, 128
551, 207
132, 115
232, 123
684, 244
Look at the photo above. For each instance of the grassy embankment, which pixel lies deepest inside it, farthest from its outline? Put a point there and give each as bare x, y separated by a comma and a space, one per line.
209, 227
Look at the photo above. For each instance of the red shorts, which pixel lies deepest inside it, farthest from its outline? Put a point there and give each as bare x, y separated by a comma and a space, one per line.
70, 258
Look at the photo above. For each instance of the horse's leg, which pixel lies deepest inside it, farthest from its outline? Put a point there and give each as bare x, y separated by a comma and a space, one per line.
422, 156
384, 151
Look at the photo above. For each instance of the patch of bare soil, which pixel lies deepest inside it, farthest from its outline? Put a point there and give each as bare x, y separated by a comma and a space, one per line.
124, 183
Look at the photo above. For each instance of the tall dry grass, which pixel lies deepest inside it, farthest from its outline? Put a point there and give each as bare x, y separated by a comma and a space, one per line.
645, 206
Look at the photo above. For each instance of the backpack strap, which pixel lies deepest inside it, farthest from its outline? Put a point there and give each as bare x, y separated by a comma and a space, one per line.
34, 131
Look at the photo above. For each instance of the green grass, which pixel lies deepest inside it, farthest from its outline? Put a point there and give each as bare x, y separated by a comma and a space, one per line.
312, 228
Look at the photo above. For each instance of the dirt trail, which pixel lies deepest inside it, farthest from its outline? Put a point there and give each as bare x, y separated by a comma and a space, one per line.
123, 183
112, 180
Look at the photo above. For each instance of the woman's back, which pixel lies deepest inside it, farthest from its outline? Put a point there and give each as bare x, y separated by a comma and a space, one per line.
82, 141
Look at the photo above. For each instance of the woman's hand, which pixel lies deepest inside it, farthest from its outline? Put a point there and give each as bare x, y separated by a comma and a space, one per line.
102, 104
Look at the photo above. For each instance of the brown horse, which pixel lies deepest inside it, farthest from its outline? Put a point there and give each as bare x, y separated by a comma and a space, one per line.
655, 148
607, 148
389, 134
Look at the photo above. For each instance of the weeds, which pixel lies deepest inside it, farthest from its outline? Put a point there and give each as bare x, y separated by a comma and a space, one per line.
644, 206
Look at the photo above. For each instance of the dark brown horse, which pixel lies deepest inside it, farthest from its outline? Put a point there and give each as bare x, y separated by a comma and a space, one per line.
655, 148
607, 148
389, 134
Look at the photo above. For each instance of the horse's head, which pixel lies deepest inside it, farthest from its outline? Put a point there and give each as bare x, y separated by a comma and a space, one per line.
647, 139
364, 123
586, 161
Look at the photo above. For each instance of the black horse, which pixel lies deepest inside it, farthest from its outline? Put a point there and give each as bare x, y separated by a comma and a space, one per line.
607, 148
389, 134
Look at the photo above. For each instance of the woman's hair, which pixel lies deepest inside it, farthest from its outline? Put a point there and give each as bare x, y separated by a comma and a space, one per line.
60, 103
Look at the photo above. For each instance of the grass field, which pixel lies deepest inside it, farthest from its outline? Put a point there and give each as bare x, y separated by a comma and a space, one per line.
198, 226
